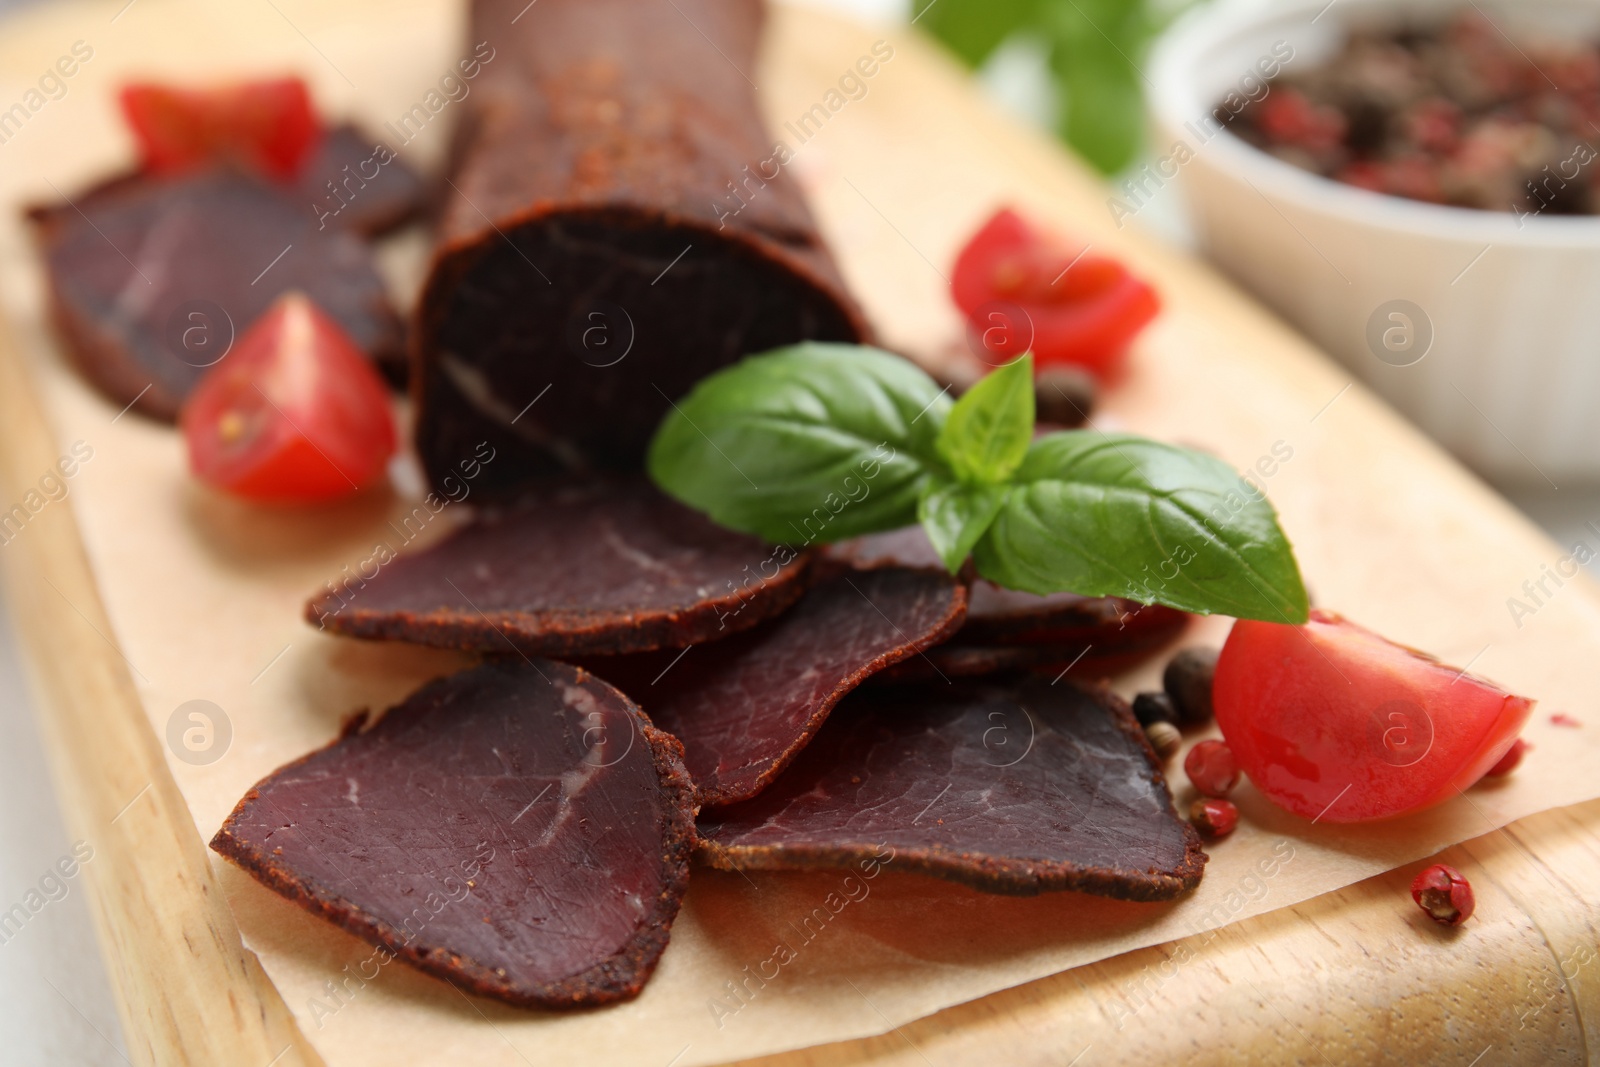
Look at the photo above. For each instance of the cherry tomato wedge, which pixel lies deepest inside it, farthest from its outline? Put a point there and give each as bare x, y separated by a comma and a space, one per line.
267, 126
1022, 289
1331, 720
293, 414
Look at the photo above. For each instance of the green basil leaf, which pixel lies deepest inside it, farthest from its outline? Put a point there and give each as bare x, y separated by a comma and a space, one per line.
1119, 515
1101, 110
989, 428
806, 444
974, 28
955, 516
1095, 48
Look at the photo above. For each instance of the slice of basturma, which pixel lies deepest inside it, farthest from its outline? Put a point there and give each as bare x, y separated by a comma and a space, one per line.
1114, 624
1006, 629
619, 225
1007, 788
956, 660
151, 282
518, 829
1082, 637
906, 547
352, 179
744, 707
573, 569
359, 182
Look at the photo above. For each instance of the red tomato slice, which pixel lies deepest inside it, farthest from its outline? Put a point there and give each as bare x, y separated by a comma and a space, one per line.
1022, 290
1332, 720
293, 414
267, 126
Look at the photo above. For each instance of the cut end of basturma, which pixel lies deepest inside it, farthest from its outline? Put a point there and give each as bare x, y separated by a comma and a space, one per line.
520, 830
1021, 789
618, 226
602, 568
207, 254
744, 707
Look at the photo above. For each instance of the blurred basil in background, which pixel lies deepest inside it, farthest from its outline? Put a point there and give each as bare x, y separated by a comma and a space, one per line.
1093, 49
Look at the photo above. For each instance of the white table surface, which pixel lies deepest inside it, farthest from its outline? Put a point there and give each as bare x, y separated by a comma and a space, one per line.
55, 1000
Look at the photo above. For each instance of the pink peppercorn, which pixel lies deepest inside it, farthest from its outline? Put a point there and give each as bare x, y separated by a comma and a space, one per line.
1444, 894
1214, 817
1212, 768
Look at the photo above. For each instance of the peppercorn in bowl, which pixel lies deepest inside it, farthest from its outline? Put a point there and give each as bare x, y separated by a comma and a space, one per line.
1414, 185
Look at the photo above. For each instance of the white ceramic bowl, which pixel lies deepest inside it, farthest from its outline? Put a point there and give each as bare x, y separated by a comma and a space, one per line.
1511, 379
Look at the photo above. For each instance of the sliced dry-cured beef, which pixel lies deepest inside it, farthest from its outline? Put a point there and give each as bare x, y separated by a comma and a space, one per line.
360, 183
954, 659
1006, 629
906, 547
151, 282
745, 706
1088, 637
1016, 788
352, 179
519, 829
1114, 624
619, 226
597, 568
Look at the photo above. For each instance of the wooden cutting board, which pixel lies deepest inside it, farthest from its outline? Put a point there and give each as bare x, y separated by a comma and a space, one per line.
1390, 530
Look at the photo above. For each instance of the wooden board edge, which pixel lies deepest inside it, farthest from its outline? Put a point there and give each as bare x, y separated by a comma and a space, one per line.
1499, 988
187, 990
227, 1010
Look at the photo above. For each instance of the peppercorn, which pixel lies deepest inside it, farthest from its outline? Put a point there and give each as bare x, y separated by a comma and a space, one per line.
1164, 738
1063, 396
1444, 894
1154, 707
1214, 816
1187, 681
1212, 768
1507, 764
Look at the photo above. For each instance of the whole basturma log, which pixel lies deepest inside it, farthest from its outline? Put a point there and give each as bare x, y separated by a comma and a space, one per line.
618, 226
1020, 788
518, 829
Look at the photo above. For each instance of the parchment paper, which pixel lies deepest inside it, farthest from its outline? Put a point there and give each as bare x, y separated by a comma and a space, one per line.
205, 594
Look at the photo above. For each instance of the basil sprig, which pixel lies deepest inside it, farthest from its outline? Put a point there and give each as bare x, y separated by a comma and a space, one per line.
816, 443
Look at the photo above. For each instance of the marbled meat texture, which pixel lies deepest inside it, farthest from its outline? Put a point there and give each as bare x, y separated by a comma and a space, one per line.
518, 829
1010, 788
618, 225
574, 568
745, 706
